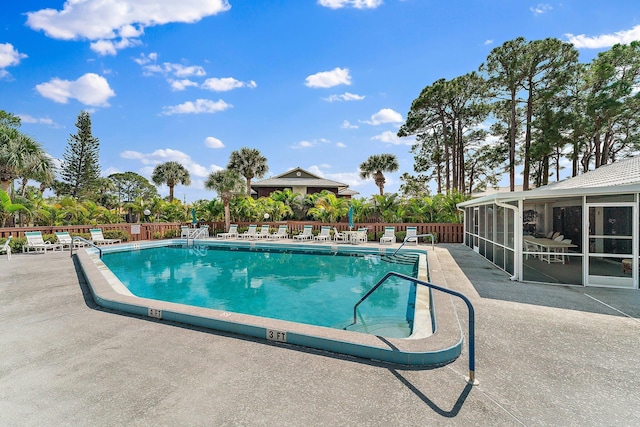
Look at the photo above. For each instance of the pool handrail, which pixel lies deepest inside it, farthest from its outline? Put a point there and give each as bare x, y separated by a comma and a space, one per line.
88, 242
406, 239
472, 340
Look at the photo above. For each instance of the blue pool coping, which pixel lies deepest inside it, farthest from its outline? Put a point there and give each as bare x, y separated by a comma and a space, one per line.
441, 345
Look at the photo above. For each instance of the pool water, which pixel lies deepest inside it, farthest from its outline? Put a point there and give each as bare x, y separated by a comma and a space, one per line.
305, 287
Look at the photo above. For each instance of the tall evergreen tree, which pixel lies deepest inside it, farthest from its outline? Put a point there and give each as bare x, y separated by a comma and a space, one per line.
81, 167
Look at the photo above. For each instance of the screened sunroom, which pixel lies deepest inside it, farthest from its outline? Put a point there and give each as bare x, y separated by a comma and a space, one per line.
581, 231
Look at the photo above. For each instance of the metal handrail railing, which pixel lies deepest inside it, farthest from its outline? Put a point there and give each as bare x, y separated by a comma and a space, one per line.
406, 239
472, 340
82, 239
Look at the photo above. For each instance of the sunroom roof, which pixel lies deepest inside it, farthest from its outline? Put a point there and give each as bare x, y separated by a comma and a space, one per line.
616, 178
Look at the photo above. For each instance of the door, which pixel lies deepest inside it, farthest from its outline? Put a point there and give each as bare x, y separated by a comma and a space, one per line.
476, 229
612, 258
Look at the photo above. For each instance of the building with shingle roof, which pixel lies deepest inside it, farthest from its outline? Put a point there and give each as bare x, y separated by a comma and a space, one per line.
581, 231
302, 182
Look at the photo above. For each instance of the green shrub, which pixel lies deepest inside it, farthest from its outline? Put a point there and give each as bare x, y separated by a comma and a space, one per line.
16, 243
157, 235
116, 234
170, 234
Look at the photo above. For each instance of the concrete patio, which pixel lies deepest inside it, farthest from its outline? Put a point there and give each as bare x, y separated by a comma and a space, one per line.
546, 355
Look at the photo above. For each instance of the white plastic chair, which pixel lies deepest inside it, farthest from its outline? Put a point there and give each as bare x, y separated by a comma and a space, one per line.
307, 233
389, 236
282, 233
410, 237
251, 233
339, 237
325, 234
263, 232
360, 236
98, 239
37, 243
6, 248
233, 232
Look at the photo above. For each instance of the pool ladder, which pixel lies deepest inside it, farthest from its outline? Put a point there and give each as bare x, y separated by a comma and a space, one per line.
82, 239
472, 339
406, 239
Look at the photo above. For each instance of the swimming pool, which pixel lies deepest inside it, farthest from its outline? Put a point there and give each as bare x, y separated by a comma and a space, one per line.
431, 343
277, 282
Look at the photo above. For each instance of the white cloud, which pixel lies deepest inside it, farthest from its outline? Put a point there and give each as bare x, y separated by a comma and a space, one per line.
26, 118
90, 89
108, 47
352, 179
304, 144
178, 85
307, 144
386, 115
149, 160
168, 68
197, 107
541, 8
347, 125
212, 142
605, 40
340, 145
488, 42
345, 97
9, 56
145, 59
392, 138
119, 21
226, 83
357, 4
324, 79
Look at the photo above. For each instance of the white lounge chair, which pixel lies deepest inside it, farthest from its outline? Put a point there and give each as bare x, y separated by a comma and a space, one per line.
339, 237
263, 232
98, 239
6, 248
389, 236
251, 233
36, 243
306, 233
184, 232
65, 239
410, 237
360, 236
325, 234
282, 233
232, 233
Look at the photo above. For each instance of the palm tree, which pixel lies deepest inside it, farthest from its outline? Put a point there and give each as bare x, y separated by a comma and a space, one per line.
250, 163
7, 208
375, 165
329, 208
227, 183
172, 174
21, 155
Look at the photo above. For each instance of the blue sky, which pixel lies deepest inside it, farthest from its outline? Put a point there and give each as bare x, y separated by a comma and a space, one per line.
319, 84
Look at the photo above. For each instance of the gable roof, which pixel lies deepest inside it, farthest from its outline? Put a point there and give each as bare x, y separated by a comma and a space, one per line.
298, 177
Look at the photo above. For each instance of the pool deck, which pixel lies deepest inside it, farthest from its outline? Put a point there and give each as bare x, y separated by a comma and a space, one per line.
546, 355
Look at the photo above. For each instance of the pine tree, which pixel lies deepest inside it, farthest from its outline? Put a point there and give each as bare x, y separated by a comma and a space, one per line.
81, 168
